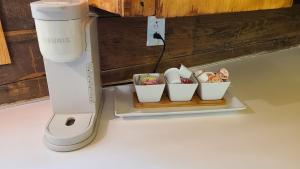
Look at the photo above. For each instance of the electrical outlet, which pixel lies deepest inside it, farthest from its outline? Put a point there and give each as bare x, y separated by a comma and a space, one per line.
155, 25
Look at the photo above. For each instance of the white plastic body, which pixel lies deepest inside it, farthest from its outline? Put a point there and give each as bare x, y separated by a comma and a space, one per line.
149, 93
155, 25
75, 93
59, 10
212, 91
61, 41
182, 92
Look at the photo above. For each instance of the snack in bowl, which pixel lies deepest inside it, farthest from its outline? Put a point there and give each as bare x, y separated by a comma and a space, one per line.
214, 78
181, 84
148, 79
186, 80
149, 87
198, 73
213, 85
224, 74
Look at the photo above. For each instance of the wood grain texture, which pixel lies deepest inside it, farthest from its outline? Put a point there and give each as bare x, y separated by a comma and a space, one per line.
166, 102
23, 90
175, 8
28, 62
139, 8
190, 40
21, 35
24, 79
114, 6
126, 7
16, 15
193, 40
4, 54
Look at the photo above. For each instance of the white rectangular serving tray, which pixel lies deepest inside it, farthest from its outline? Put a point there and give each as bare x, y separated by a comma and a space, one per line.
124, 105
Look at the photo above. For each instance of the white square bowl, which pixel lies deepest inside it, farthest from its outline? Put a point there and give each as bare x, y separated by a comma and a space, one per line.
182, 92
149, 93
212, 91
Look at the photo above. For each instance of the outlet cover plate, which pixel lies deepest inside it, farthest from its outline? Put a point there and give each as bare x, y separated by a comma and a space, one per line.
155, 25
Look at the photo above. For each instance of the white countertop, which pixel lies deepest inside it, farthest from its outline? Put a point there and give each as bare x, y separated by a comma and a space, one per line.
265, 136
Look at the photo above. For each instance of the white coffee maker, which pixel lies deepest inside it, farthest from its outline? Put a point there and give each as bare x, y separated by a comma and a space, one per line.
67, 37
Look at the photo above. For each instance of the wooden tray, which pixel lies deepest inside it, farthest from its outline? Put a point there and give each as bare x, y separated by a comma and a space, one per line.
124, 105
165, 102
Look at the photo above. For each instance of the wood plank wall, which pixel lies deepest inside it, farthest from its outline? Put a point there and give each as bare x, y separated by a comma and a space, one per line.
190, 40
194, 40
4, 54
171, 8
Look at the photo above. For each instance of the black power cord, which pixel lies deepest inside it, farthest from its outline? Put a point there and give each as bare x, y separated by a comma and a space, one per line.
158, 36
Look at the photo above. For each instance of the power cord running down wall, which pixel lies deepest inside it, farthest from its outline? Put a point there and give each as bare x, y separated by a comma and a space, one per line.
158, 36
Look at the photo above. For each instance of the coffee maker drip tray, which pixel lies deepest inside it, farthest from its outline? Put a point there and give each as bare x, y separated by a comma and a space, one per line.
66, 132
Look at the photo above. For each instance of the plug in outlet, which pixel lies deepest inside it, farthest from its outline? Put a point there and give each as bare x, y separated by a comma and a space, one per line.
155, 25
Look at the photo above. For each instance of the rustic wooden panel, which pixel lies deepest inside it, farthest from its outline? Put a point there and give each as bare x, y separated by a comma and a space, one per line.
190, 40
166, 102
123, 39
124, 75
139, 7
175, 8
23, 90
27, 62
114, 6
126, 7
21, 35
16, 15
4, 54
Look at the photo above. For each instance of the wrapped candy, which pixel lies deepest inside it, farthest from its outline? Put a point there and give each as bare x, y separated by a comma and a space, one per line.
224, 73
203, 77
148, 80
210, 77
215, 78
198, 73
186, 80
